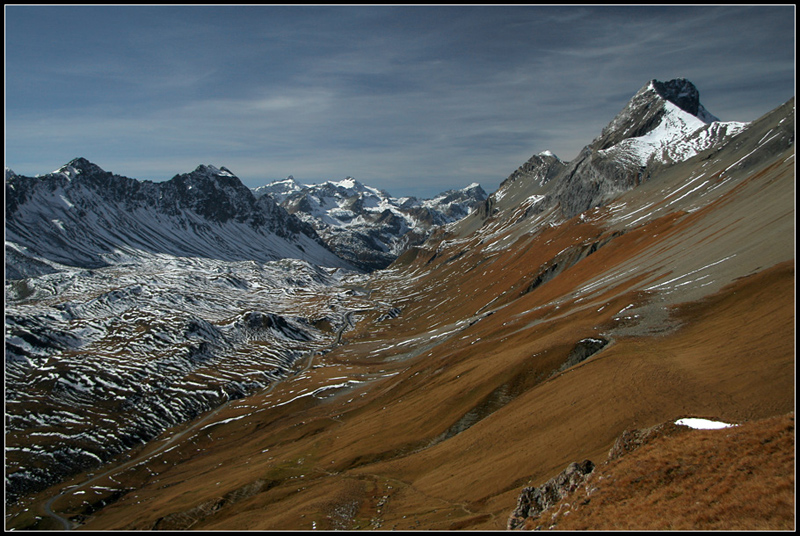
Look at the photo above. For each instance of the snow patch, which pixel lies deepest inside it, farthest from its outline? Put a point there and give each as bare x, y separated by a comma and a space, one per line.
702, 424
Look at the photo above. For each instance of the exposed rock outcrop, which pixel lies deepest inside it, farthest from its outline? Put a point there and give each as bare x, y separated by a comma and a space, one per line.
631, 440
533, 501
583, 350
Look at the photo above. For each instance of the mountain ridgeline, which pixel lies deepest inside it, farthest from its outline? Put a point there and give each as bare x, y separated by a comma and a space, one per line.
81, 215
340, 359
365, 225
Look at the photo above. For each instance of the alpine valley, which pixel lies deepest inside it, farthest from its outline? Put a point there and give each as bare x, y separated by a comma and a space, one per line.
196, 354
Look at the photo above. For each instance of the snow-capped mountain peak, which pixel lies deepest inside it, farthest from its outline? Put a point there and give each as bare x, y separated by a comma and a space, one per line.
661, 123
280, 189
348, 183
364, 224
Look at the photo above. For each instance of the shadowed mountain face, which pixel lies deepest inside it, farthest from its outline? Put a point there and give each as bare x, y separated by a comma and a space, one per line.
83, 216
649, 279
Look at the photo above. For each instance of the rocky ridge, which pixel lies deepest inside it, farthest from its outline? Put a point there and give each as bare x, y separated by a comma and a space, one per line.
365, 225
576, 481
671, 462
534, 501
83, 216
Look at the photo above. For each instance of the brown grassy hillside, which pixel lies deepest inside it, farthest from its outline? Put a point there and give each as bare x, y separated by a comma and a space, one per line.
739, 478
391, 453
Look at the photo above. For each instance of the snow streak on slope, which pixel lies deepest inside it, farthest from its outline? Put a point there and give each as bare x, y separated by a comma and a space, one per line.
100, 360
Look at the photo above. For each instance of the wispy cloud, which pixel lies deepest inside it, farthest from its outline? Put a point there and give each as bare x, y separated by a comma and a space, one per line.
411, 99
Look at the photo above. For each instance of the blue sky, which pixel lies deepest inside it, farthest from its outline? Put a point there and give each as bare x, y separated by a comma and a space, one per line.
415, 100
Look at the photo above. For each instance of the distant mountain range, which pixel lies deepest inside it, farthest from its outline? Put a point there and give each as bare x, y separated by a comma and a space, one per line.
81, 215
367, 226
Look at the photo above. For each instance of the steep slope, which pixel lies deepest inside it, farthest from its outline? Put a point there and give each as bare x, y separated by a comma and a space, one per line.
509, 345
743, 476
368, 226
83, 216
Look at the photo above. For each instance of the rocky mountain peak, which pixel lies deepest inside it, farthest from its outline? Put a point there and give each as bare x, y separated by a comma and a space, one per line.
539, 168
80, 163
79, 166
662, 124
212, 179
682, 93
349, 187
474, 188
209, 170
648, 107
279, 190
679, 91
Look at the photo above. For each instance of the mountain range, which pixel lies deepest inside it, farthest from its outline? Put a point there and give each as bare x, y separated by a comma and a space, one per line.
582, 306
81, 215
194, 274
367, 226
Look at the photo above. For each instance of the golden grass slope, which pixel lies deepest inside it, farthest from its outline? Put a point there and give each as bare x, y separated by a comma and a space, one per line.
364, 463
739, 478
369, 457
